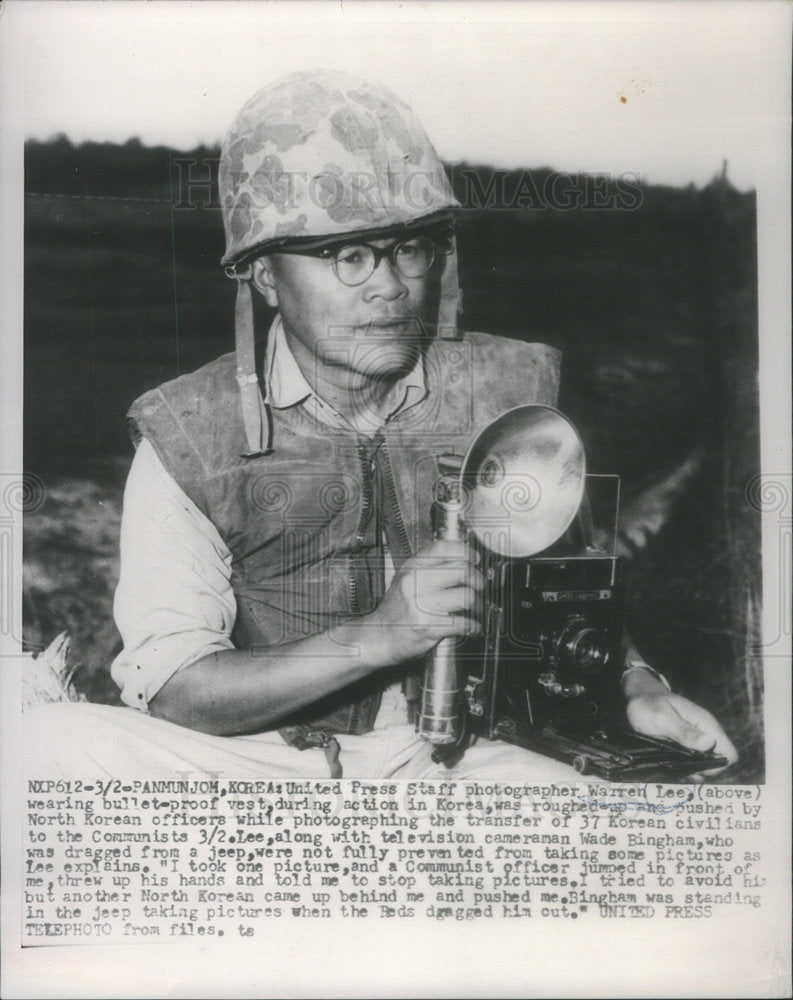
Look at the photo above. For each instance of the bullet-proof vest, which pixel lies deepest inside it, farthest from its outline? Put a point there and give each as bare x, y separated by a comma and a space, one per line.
304, 524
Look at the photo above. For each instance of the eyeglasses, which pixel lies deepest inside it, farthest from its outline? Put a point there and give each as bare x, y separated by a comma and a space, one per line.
355, 263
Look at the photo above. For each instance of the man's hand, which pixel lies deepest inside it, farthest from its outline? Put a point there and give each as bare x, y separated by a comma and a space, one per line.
671, 716
434, 595
246, 690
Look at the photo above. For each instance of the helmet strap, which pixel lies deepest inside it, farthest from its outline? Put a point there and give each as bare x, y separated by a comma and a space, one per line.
450, 304
256, 414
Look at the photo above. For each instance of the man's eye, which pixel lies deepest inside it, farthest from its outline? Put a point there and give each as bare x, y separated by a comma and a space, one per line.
410, 249
350, 256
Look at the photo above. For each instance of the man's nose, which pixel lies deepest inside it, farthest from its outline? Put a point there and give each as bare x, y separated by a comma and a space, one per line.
385, 282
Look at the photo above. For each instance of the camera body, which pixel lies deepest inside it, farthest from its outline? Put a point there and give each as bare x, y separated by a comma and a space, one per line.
550, 651
546, 672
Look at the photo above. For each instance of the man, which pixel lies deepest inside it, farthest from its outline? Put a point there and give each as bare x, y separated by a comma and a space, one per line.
279, 582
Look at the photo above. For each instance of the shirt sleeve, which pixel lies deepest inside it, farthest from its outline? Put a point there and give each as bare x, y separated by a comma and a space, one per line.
174, 603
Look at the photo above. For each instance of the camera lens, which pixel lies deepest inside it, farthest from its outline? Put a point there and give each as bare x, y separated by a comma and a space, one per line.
582, 647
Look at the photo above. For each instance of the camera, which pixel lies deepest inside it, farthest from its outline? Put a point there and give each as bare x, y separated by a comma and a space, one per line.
546, 671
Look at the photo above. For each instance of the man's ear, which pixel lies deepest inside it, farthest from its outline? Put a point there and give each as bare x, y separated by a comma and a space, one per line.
264, 280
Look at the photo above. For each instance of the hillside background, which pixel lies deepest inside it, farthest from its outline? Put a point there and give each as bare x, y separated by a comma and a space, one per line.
654, 306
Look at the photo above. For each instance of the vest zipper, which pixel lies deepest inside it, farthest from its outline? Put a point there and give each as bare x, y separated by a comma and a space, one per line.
355, 718
367, 473
367, 501
389, 487
393, 506
367, 469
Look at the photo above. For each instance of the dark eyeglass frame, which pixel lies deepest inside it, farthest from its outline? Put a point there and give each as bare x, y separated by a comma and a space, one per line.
330, 252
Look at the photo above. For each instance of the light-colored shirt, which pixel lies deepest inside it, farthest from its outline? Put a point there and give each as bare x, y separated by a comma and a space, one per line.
174, 603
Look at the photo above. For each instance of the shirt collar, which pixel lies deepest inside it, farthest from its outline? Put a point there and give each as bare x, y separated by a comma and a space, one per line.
287, 386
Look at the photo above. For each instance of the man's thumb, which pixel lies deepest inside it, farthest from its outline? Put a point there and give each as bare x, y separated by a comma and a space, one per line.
694, 738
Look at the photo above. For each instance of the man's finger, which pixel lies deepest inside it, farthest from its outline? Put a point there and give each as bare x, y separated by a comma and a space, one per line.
446, 575
715, 739
456, 626
723, 748
455, 599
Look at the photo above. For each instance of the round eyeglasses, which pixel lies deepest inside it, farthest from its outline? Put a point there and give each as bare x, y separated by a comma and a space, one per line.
355, 263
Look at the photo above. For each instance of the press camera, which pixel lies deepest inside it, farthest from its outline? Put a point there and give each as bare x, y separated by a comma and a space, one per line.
546, 671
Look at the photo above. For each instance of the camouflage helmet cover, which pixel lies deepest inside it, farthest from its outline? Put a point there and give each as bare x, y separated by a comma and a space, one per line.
325, 153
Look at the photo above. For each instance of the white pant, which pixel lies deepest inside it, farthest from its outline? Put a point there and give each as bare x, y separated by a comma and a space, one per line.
90, 740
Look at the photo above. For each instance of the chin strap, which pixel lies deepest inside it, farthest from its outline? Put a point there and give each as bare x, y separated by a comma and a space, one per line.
451, 298
256, 414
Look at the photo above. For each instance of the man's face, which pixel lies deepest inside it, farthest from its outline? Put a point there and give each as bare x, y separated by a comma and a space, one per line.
372, 331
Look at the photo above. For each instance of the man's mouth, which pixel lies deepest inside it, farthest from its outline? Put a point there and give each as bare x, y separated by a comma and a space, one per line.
386, 322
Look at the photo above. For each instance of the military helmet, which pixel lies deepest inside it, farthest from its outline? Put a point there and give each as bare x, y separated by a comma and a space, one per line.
325, 154
320, 155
